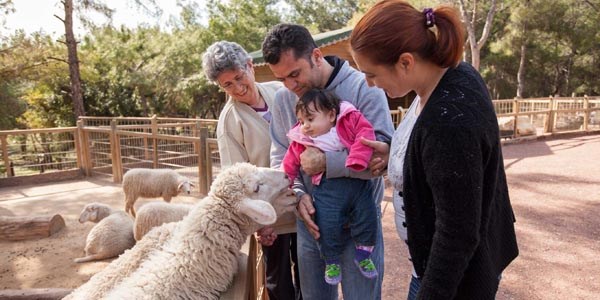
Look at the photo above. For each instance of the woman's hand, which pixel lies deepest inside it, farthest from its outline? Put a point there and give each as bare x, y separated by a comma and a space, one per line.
306, 211
379, 160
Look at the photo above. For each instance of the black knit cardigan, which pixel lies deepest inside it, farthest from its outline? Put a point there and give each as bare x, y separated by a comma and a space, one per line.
459, 218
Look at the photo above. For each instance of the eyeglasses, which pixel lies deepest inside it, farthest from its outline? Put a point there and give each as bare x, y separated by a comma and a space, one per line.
237, 80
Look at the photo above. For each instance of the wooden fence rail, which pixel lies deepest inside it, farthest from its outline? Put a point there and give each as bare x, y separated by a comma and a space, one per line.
111, 146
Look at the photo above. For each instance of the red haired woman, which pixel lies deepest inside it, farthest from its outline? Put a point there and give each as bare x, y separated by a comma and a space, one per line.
445, 160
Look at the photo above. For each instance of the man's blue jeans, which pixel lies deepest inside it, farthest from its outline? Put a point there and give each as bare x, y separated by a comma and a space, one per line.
354, 284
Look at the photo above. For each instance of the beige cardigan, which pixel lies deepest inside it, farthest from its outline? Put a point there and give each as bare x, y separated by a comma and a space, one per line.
242, 134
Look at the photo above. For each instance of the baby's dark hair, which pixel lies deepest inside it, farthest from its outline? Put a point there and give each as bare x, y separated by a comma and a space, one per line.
324, 101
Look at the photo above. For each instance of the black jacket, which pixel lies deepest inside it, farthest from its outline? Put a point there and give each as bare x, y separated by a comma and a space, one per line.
458, 214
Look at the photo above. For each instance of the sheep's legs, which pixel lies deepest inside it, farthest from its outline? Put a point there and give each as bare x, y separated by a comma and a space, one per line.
88, 258
129, 202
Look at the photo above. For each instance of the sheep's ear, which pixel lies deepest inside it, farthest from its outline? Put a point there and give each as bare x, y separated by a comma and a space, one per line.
260, 211
180, 185
94, 215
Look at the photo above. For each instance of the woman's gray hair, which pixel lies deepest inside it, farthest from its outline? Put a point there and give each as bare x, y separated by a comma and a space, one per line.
223, 56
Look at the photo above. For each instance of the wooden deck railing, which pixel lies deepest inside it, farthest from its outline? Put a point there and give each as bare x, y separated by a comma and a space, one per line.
110, 146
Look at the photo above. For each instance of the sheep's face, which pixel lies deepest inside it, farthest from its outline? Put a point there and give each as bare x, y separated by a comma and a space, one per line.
89, 213
185, 187
251, 190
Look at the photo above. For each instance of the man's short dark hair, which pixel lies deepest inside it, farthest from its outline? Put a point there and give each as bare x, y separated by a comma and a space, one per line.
284, 37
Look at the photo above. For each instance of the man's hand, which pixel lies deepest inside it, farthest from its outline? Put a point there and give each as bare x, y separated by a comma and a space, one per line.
306, 211
312, 161
266, 236
379, 160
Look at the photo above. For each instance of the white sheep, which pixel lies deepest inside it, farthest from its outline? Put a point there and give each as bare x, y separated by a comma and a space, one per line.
111, 236
155, 214
197, 257
153, 183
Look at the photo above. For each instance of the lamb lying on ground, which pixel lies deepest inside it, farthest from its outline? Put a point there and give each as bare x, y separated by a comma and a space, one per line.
153, 183
196, 258
110, 237
155, 214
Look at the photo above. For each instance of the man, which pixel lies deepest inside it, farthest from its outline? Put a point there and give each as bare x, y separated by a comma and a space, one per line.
294, 59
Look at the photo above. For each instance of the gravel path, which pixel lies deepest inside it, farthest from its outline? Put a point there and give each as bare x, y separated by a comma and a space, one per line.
555, 192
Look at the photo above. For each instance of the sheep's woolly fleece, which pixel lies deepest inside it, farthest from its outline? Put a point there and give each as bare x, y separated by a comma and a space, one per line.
196, 257
153, 183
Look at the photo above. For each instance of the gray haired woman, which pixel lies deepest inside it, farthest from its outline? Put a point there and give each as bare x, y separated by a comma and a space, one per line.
243, 136
243, 127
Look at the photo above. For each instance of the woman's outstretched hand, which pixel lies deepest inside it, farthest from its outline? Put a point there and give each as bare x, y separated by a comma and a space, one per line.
379, 160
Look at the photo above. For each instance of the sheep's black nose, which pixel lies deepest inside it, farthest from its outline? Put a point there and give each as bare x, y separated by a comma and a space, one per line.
285, 176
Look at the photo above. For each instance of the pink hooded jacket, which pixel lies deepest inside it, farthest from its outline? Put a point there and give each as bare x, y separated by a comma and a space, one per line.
350, 126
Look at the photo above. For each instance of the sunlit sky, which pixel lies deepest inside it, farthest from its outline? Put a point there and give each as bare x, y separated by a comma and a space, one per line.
35, 15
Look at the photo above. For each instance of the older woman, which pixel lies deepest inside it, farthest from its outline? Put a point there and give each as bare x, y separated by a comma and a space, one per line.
243, 136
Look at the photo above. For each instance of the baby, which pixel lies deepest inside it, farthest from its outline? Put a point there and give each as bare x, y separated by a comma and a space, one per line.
330, 125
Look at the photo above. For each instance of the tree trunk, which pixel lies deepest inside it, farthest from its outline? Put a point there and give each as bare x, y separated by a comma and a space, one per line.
521, 72
23, 228
523, 60
76, 94
475, 57
144, 100
470, 21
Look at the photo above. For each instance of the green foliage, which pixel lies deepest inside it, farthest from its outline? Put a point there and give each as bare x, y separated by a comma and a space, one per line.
562, 43
245, 22
146, 70
320, 16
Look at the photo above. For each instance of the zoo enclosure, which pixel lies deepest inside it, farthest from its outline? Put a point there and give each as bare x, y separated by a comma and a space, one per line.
110, 146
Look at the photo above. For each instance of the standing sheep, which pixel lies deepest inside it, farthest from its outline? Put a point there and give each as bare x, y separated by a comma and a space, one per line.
197, 257
153, 183
155, 214
110, 237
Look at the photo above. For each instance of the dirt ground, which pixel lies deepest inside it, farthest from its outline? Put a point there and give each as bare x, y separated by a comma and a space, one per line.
554, 188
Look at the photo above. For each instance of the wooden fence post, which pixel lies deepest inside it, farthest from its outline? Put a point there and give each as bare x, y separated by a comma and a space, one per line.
551, 116
84, 141
146, 151
4, 141
115, 151
586, 112
154, 123
78, 147
515, 110
400, 115
203, 164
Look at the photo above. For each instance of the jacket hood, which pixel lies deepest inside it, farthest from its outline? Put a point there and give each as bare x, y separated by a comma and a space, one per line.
295, 134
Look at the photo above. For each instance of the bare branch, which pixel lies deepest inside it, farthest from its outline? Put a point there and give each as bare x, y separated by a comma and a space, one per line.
488, 25
7, 49
62, 20
468, 22
591, 4
16, 70
59, 59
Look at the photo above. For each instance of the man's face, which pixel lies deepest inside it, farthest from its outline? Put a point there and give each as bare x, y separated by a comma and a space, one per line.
298, 75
